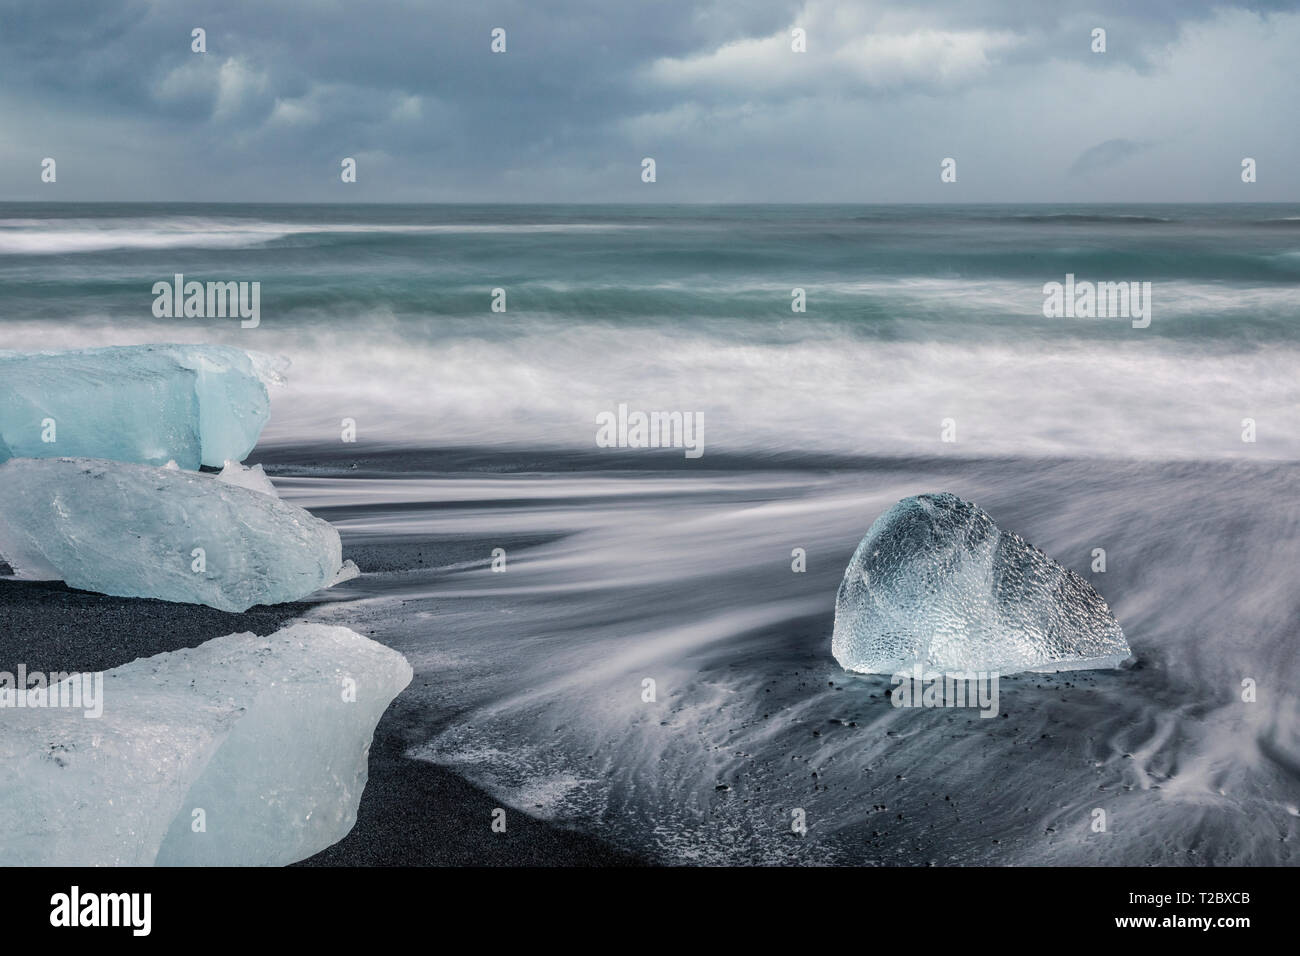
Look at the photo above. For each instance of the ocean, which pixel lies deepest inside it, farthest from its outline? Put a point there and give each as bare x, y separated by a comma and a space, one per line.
536, 579
913, 314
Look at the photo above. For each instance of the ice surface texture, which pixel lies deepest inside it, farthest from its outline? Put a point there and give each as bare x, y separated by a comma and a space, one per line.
253, 478
135, 531
936, 582
261, 734
150, 403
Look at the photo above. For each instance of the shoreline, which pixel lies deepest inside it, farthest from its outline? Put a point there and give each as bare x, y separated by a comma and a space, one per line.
412, 812
528, 684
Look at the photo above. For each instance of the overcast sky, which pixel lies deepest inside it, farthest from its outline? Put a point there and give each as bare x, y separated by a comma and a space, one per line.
709, 88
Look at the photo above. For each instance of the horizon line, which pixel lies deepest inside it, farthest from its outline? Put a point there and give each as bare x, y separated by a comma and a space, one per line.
855, 202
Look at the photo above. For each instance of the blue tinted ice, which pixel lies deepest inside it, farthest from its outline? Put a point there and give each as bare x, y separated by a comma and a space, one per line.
266, 739
150, 404
936, 582
139, 531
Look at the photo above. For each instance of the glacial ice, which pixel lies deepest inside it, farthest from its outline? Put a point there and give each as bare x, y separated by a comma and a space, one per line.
254, 478
139, 531
935, 582
244, 751
197, 404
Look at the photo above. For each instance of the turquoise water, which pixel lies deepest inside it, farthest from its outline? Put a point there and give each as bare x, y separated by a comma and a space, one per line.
914, 314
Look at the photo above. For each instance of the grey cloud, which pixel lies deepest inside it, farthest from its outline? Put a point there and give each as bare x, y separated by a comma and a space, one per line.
589, 87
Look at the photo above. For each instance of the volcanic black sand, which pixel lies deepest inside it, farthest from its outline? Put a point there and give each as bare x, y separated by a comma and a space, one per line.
412, 812
528, 685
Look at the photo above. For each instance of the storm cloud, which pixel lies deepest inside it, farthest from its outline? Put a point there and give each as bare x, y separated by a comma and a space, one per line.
713, 91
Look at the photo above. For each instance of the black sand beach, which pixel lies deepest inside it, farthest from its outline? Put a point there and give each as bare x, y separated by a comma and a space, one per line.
412, 813
528, 692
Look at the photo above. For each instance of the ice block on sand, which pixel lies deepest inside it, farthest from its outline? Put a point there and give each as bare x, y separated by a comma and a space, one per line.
194, 404
935, 582
244, 751
139, 531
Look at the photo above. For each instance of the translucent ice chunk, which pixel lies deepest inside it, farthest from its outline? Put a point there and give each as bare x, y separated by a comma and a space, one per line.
345, 573
936, 582
140, 531
254, 479
264, 740
148, 403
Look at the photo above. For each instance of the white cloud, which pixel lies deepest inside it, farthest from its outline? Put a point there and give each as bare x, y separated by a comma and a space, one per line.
1196, 101
227, 85
195, 79
236, 83
408, 109
298, 111
847, 48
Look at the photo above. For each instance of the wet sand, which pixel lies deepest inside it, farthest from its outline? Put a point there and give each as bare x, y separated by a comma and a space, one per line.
412, 812
527, 686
